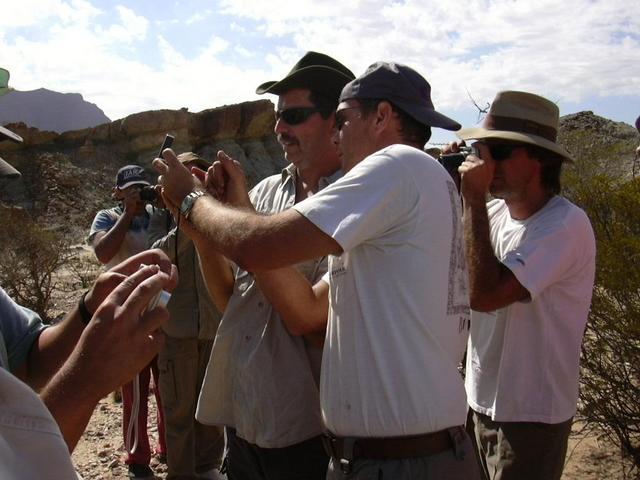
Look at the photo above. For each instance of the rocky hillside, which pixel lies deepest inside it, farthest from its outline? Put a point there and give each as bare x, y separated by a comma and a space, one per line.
48, 110
67, 177
600, 145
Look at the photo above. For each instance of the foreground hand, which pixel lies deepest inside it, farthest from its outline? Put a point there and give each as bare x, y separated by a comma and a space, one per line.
123, 336
175, 179
107, 281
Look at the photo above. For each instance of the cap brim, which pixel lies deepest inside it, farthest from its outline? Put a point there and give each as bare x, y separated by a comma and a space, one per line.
428, 116
483, 133
136, 182
7, 171
316, 77
9, 134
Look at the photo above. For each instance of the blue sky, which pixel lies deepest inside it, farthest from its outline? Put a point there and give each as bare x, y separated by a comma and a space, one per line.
128, 57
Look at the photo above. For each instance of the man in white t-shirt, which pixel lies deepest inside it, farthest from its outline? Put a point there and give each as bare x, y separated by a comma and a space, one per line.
390, 393
531, 257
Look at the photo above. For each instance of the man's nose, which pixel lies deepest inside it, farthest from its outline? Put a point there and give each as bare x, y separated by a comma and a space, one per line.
335, 136
280, 126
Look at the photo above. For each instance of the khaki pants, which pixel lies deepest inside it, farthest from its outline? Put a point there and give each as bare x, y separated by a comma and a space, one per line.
192, 447
520, 450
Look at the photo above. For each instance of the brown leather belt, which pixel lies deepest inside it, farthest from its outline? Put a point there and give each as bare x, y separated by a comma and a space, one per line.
347, 449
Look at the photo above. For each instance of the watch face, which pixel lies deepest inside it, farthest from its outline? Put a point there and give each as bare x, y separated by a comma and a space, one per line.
188, 201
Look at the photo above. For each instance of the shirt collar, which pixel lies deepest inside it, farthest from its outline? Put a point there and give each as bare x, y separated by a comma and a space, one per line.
289, 174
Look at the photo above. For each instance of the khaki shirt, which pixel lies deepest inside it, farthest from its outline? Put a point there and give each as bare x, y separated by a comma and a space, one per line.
192, 313
261, 380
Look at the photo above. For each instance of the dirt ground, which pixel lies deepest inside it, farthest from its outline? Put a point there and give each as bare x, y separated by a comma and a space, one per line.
100, 453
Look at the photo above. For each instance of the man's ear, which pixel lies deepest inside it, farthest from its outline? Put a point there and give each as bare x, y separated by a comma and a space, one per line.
384, 115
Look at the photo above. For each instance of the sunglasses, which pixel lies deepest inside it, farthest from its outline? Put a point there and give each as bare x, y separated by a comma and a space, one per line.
296, 115
501, 151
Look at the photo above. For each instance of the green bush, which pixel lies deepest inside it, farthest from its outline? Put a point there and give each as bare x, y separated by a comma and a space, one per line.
610, 377
30, 257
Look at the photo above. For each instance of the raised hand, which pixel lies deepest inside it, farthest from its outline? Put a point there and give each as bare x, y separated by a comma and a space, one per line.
227, 178
176, 180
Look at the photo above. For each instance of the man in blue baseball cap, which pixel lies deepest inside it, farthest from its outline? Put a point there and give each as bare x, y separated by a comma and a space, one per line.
396, 290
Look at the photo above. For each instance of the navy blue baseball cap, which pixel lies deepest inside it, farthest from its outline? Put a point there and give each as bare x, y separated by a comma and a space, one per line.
403, 87
130, 175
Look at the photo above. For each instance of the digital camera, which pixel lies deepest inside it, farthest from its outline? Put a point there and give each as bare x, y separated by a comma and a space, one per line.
148, 194
451, 161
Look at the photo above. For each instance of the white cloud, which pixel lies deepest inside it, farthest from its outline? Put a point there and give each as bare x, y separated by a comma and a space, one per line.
568, 50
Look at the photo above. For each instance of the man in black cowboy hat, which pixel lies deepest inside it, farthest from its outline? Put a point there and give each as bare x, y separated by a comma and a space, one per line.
398, 312
261, 381
66, 363
531, 257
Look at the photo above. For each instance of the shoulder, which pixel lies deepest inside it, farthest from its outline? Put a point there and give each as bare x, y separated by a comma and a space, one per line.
271, 183
401, 159
561, 213
108, 213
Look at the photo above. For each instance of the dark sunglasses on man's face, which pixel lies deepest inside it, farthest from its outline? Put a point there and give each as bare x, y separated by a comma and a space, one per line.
501, 151
296, 115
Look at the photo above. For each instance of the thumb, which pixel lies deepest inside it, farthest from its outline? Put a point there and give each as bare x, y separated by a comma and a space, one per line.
232, 167
168, 160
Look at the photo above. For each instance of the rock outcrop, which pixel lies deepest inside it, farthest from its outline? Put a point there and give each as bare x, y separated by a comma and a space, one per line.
68, 176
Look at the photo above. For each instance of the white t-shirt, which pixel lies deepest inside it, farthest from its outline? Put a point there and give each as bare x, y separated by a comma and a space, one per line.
31, 445
399, 314
522, 363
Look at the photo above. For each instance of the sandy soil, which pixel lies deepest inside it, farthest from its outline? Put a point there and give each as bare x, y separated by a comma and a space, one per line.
100, 452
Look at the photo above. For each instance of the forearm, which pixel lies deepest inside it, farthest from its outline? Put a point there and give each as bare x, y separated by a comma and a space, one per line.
107, 246
258, 242
302, 307
53, 347
484, 268
71, 398
217, 273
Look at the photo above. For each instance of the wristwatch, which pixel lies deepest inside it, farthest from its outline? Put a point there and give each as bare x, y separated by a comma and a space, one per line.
188, 202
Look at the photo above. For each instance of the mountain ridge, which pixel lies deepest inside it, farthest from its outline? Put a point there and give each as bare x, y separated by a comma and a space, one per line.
49, 110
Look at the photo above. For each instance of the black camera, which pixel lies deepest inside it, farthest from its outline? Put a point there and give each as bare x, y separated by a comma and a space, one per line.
451, 162
148, 194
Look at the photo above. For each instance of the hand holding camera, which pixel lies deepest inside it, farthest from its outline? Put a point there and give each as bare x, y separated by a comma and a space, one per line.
453, 156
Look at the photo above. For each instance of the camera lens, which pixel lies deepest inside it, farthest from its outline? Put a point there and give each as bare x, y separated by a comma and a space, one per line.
148, 194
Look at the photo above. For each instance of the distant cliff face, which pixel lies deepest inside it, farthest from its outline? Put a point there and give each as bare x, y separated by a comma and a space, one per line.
48, 110
67, 177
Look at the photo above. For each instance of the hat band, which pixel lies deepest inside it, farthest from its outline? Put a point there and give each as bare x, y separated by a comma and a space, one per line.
519, 125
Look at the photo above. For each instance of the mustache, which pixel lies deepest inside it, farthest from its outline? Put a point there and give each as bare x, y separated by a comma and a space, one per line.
285, 138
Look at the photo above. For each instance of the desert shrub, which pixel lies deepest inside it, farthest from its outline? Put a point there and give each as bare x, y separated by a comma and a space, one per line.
84, 271
30, 257
610, 377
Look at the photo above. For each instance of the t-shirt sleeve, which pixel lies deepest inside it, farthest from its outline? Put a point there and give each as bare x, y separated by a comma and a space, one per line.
364, 203
103, 222
551, 253
20, 328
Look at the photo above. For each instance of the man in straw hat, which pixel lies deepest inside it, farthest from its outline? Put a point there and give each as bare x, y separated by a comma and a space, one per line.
531, 257
262, 378
66, 363
391, 396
